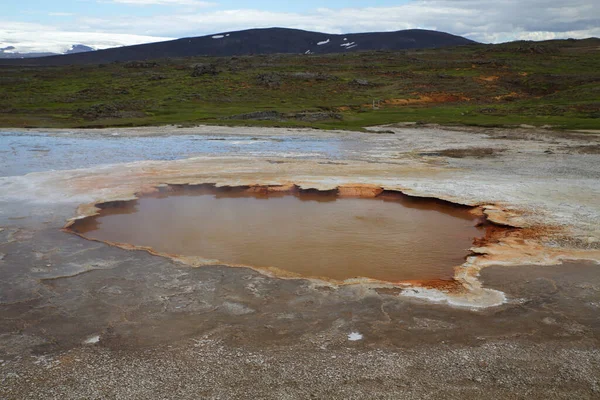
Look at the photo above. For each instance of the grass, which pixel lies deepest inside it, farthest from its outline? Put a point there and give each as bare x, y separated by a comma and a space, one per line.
553, 83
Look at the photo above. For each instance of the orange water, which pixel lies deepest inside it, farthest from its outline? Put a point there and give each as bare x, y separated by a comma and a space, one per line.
389, 238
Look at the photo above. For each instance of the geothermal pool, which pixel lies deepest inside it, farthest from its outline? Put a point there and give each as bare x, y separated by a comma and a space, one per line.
391, 237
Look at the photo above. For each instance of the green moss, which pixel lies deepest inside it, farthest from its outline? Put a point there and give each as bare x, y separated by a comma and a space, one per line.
547, 83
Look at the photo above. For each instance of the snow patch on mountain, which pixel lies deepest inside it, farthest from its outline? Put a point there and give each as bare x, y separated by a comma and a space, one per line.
79, 48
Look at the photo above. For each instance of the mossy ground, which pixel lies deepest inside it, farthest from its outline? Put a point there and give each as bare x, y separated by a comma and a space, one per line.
543, 83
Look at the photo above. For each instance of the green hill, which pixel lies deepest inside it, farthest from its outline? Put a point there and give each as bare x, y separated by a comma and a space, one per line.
538, 83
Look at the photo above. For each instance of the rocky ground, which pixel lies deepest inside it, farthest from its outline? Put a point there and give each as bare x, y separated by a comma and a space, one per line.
82, 319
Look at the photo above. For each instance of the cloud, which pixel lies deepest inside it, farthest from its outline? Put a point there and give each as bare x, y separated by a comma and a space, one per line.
60, 14
195, 3
483, 21
27, 38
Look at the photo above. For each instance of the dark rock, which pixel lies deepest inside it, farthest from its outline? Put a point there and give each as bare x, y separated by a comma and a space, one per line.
156, 77
99, 111
360, 82
140, 64
314, 116
490, 110
312, 76
277, 116
259, 116
205, 69
271, 80
110, 110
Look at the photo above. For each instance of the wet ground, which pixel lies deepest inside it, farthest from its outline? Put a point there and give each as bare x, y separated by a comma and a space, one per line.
25, 152
81, 319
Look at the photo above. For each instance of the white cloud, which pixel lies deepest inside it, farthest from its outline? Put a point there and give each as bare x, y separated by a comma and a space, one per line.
195, 3
35, 38
60, 14
483, 21
479, 20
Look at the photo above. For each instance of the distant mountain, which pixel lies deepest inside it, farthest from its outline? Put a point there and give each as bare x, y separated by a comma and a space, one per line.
260, 41
79, 48
11, 52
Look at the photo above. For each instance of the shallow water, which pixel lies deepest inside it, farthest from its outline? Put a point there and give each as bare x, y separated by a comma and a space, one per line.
389, 238
23, 153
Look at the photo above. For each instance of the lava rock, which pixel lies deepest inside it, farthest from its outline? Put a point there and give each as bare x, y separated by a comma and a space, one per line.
205, 69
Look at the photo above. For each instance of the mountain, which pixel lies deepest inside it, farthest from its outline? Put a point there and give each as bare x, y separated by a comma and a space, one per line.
79, 48
259, 41
11, 52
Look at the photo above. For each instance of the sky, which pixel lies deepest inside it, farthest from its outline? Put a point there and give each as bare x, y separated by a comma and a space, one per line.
42, 25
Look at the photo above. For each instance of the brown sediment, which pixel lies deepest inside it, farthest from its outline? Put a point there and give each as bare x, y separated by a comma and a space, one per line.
475, 152
431, 98
489, 78
511, 96
510, 239
450, 284
555, 210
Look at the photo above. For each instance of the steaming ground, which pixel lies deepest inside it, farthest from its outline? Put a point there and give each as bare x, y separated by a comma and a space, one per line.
85, 320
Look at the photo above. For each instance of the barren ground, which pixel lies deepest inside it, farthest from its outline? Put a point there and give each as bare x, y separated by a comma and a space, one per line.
83, 319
